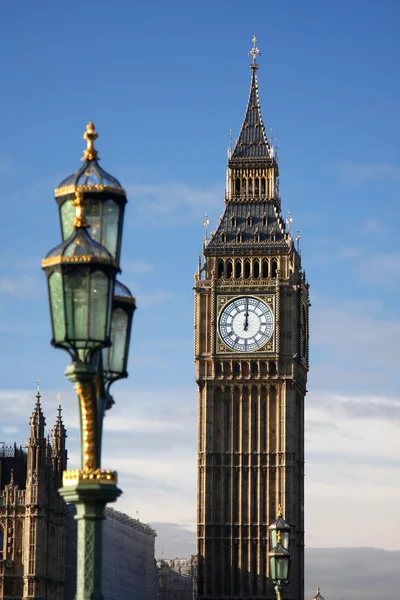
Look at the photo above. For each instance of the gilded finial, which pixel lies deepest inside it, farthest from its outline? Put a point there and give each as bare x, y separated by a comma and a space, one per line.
279, 510
254, 52
79, 220
90, 136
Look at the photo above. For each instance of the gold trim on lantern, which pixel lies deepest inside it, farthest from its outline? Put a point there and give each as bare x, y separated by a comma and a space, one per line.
71, 189
76, 476
57, 260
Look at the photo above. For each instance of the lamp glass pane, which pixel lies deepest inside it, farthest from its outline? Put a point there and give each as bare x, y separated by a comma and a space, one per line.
99, 299
76, 304
57, 306
272, 567
68, 213
282, 568
285, 538
272, 538
110, 226
93, 218
119, 332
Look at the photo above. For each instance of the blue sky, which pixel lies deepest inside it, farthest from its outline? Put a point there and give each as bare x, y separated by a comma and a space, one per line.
164, 83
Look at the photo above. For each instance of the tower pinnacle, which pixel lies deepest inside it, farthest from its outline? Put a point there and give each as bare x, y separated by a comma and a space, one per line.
254, 52
37, 422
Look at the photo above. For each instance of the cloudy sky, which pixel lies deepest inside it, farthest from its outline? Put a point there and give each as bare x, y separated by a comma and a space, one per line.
164, 83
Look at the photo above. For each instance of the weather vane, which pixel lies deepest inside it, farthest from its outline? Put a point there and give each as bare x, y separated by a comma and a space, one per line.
254, 52
289, 221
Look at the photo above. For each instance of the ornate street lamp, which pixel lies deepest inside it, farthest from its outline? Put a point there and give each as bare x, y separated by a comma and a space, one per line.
115, 357
89, 313
279, 555
104, 198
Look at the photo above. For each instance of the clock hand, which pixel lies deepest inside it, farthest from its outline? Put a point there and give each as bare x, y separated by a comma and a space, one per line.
246, 316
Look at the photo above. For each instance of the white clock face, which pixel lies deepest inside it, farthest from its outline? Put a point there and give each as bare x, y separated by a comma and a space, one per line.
246, 324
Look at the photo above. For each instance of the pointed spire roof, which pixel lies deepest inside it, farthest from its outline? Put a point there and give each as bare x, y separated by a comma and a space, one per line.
252, 142
59, 428
37, 421
318, 595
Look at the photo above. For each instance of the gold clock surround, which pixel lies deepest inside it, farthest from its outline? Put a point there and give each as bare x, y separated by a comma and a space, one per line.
222, 300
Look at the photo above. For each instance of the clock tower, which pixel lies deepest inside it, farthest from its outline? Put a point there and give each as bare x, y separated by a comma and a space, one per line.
251, 354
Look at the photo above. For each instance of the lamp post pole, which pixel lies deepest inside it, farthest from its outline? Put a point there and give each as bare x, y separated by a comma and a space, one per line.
91, 315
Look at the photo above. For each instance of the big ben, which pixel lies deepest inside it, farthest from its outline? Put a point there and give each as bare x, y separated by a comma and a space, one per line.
251, 355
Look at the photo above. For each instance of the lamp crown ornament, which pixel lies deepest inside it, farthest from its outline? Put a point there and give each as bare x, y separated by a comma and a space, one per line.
90, 136
79, 203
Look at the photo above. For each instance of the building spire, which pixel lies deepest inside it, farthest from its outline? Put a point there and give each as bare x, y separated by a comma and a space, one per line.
58, 430
252, 142
37, 421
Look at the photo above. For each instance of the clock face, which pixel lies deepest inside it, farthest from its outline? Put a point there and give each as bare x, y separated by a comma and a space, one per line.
246, 324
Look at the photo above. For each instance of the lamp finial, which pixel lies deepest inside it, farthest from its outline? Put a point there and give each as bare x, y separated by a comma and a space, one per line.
279, 510
90, 136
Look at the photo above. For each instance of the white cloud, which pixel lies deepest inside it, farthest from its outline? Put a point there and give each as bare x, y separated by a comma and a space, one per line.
154, 297
174, 201
137, 267
351, 469
357, 173
373, 226
382, 268
22, 286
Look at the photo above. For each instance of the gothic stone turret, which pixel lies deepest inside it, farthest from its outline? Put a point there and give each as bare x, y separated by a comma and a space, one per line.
32, 514
251, 354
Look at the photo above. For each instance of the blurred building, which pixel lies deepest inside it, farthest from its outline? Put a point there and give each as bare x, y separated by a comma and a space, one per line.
128, 570
32, 513
177, 578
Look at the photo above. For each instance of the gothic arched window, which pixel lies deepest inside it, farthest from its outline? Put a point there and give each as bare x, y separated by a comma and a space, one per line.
220, 269
265, 269
274, 267
247, 268
238, 268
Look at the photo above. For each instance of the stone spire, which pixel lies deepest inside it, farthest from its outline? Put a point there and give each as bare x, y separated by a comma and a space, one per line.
58, 432
37, 421
252, 142
59, 453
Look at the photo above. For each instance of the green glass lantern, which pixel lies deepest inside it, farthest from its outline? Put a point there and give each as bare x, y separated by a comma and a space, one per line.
115, 357
279, 562
81, 276
283, 527
104, 200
